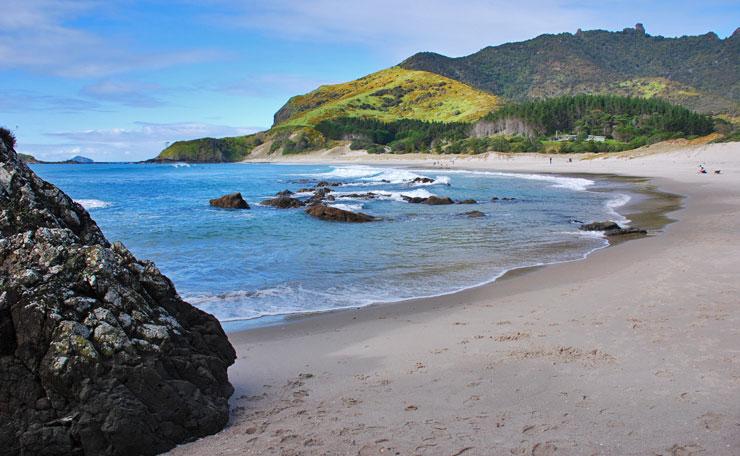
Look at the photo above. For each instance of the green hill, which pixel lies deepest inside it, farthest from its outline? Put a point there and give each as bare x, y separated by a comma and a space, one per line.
210, 150
699, 72
388, 95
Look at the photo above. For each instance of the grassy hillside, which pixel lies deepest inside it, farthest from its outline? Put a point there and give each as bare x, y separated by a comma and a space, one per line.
699, 72
211, 150
389, 95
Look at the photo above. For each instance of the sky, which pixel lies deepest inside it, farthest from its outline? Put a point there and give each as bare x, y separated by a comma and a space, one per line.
117, 80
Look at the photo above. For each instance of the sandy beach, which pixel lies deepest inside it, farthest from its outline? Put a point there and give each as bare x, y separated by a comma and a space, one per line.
632, 351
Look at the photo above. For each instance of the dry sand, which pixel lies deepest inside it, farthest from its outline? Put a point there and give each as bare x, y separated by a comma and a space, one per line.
635, 350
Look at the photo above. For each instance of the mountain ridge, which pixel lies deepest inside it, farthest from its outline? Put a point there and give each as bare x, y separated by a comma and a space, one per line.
595, 61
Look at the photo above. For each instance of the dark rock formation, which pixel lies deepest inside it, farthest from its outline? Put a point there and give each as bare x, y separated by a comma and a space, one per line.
363, 196
467, 201
474, 214
438, 200
321, 194
231, 201
432, 200
496, 198
338, 215
283, 202
98, 353
422, 180
284, 193
328, 184
600, 226
612, 229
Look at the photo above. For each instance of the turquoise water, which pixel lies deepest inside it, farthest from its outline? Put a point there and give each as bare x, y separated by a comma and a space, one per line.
247, 264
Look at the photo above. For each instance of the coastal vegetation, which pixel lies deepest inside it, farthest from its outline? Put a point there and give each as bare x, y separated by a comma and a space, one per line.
211, 150
698, 72
630, 87
590, 123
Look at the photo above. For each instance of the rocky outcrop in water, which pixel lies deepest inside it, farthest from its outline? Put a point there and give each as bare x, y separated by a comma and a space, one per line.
474, 214
230, 201
283, 202
432, 200
98, 353
612, 228
338, 215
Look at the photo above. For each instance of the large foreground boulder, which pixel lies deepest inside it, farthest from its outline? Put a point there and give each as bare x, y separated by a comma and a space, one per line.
230, 201
98, 353
338, 215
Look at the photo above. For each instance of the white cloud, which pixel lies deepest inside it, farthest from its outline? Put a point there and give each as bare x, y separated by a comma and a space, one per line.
12, 101
143, 141
35, 35
403, 27
130, 93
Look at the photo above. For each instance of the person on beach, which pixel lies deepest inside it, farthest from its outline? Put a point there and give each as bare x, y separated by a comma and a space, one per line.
551, 160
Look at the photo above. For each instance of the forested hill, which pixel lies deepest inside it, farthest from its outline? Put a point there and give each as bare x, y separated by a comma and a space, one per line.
699, 72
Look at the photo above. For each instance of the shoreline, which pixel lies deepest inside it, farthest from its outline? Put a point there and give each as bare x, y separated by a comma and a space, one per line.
652, 202
630, 351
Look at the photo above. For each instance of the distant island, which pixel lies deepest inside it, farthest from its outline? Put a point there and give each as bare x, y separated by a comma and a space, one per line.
76, 160
643, 89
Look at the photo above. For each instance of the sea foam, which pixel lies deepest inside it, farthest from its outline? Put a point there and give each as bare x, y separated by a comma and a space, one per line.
93, 203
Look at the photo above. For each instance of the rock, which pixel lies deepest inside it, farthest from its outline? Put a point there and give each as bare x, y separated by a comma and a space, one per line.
100, 356
612, 229
283, 202
230, 201
365, 196
600, 226
432, 200
474, 214
422, 180
338, 215
413, 199
327, 184
438, 200
284, 193
319, 195
467, 201
496, 198
625, 231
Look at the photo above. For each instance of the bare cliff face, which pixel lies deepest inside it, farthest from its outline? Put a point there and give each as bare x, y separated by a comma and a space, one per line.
98, 353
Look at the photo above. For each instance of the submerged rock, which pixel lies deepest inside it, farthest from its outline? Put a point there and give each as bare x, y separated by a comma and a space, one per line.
422, 180
474, 214
432, 200
496, 198
612, 228
283, 202
338, 215
363, 196
98, 353
438, 200
467, 201
284, 193
600, 226
625, 231
230, 201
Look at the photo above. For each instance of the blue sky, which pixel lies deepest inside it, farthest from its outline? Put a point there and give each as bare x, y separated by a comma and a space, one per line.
116, 80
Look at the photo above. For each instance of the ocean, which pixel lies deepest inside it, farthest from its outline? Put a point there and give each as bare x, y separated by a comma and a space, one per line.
261, 264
